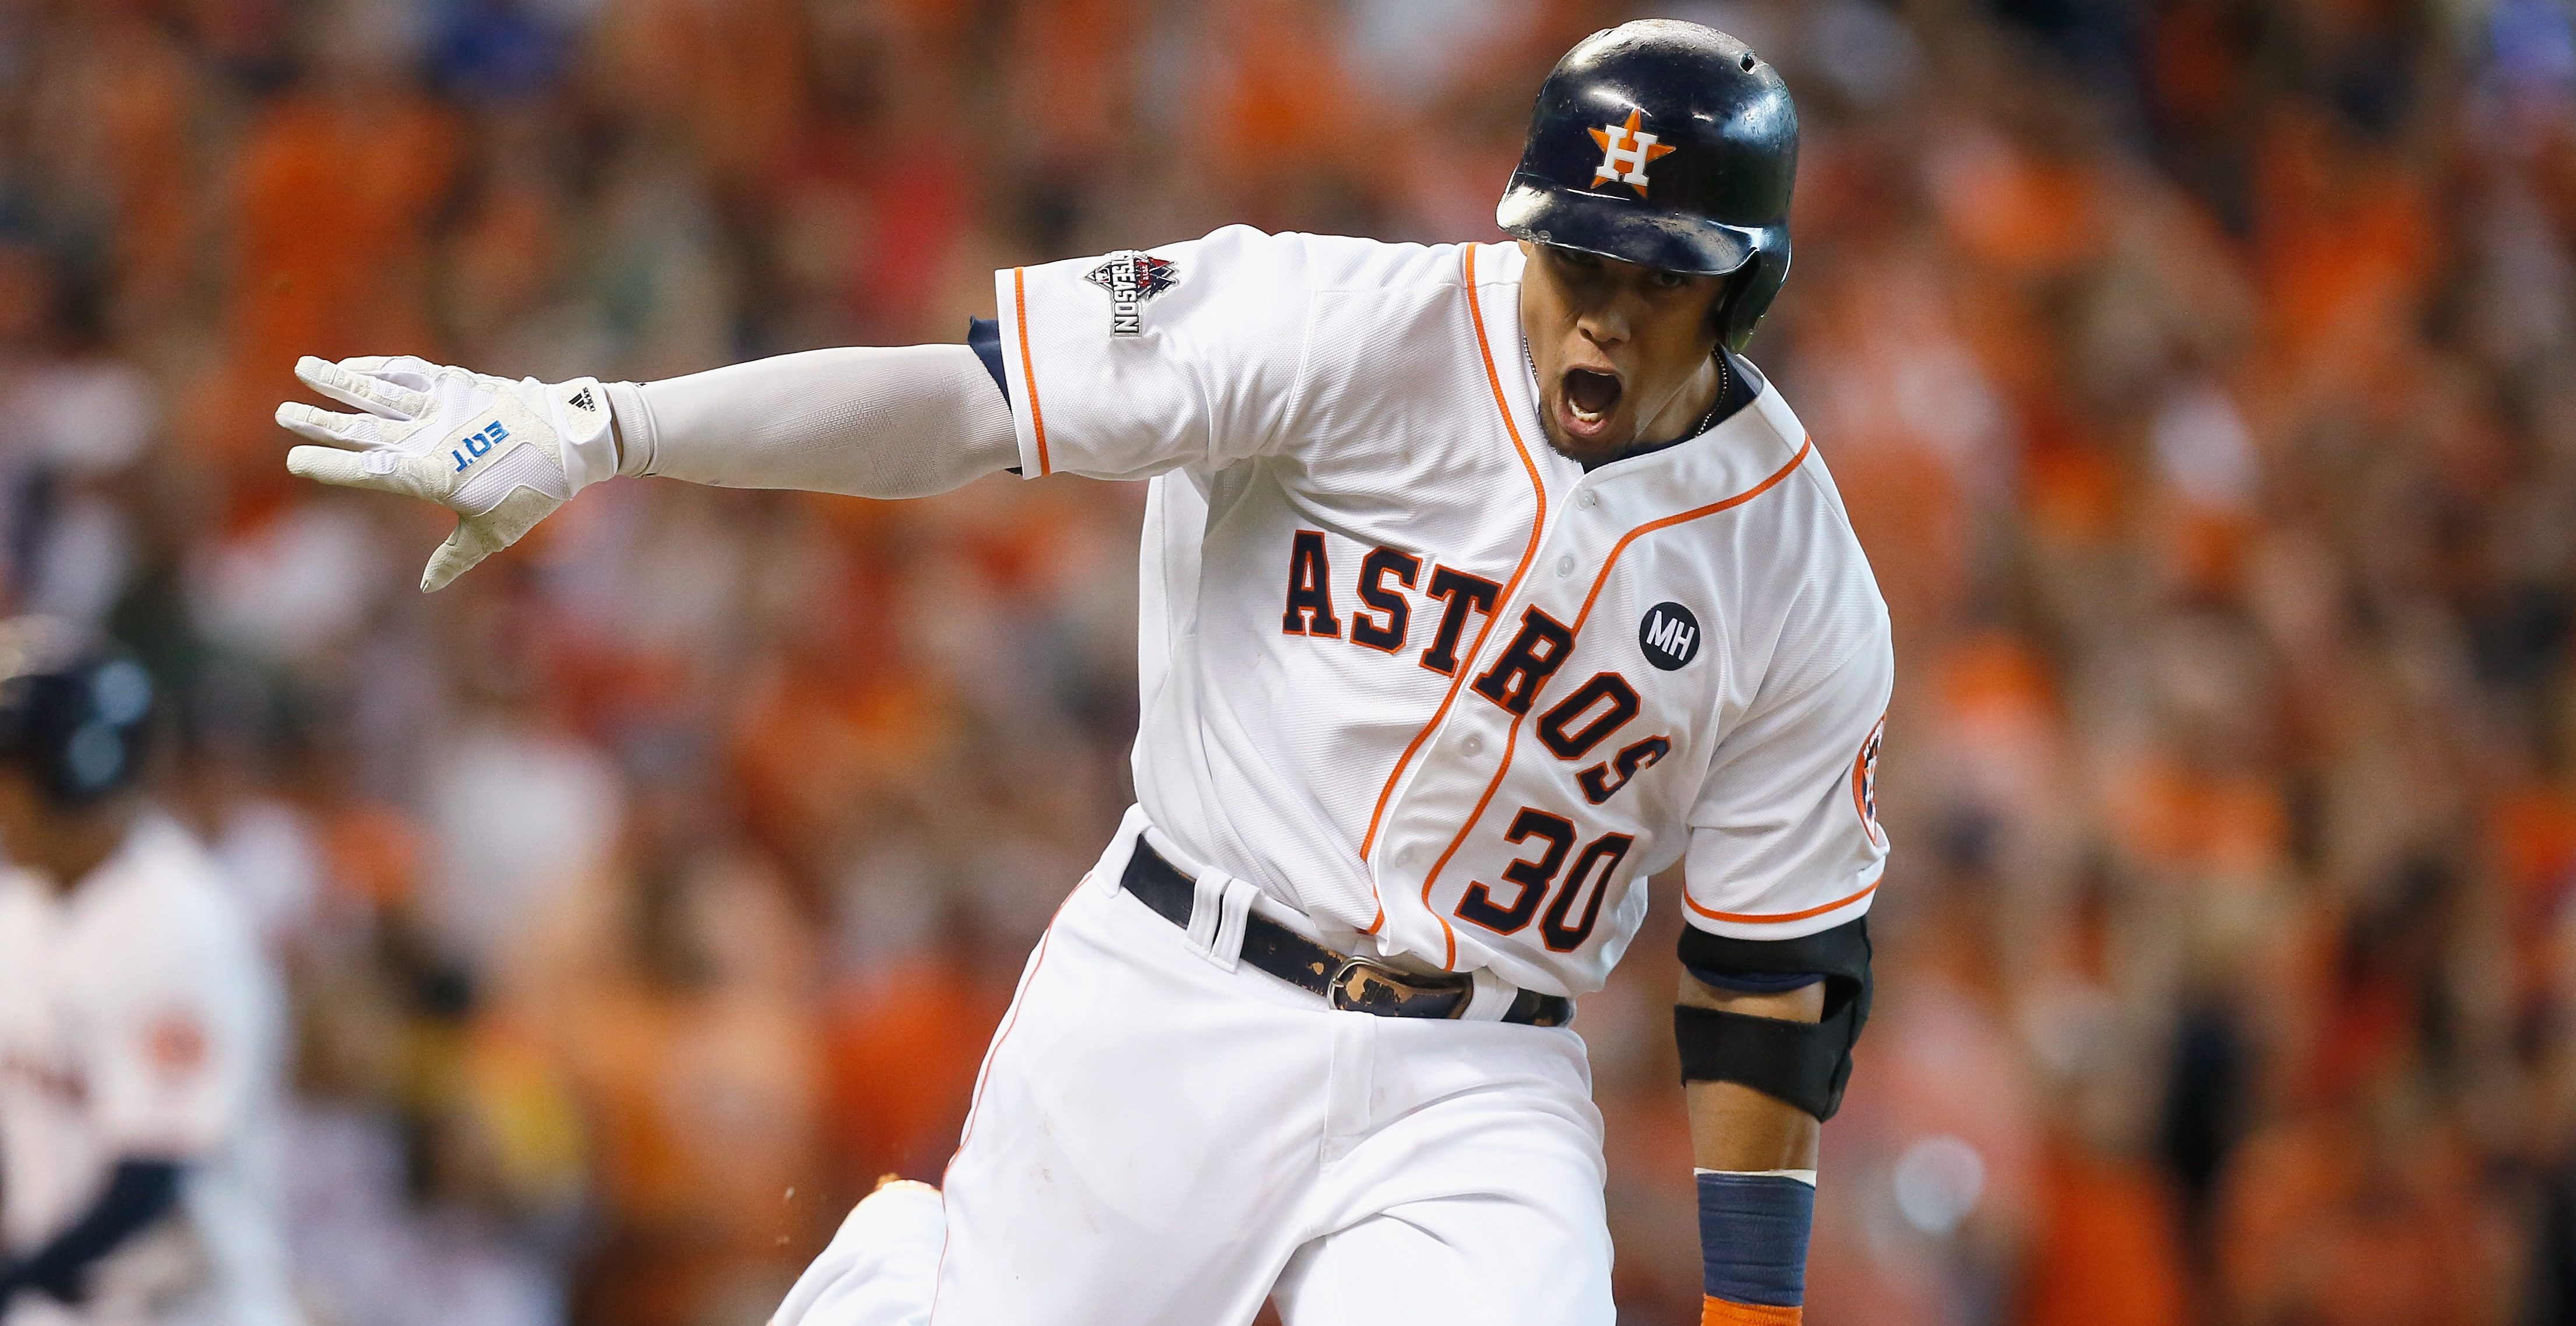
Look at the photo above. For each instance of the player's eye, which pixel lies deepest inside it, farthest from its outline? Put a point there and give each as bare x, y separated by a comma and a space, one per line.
1667, 280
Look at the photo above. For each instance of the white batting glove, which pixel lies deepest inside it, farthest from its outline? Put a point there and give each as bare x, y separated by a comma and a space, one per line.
502, 455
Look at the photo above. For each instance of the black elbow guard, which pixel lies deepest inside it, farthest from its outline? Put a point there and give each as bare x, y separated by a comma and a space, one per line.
1803, 1063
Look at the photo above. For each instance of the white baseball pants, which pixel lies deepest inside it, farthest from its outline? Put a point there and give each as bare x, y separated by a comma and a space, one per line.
1159, 1141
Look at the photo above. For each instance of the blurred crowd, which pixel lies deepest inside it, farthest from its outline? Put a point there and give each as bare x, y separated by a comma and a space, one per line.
2198, 373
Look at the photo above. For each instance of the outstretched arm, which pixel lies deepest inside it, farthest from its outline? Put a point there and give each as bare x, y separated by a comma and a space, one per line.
901, 422
906, 422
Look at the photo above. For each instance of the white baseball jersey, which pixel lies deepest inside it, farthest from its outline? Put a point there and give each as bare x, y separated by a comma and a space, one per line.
138, 1019
1412, 673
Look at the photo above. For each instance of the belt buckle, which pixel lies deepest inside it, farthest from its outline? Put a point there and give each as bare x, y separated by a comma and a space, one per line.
1366, 985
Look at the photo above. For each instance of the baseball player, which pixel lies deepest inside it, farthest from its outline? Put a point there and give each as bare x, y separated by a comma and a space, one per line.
139, 1028
1480, 582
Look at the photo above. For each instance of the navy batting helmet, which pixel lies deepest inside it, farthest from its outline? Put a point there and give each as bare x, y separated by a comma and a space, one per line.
1668, 145
74, 710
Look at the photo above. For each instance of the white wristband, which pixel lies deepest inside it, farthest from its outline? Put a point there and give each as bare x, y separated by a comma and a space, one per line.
581, 420
635, 432
1805, 1176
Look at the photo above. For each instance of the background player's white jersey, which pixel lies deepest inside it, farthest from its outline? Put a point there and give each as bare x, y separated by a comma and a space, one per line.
1411, 672
138, 1019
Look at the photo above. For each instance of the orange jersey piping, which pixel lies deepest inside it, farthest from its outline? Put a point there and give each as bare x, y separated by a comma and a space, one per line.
1538, 523
1779, 918
1029, 370
1511, 743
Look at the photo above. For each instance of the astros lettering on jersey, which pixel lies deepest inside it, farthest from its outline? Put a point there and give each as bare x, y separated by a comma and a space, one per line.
1414, 674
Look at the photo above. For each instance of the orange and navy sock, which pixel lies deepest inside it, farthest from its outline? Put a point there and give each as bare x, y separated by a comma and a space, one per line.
1753, 1246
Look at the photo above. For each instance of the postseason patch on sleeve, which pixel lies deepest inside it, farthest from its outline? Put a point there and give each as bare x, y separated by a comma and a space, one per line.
1132, 277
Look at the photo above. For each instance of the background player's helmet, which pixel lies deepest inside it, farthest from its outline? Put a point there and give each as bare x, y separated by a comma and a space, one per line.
1671, 146
74, 710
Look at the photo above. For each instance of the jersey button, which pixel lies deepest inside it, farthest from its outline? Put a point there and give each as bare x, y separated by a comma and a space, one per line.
1472, 745
1565, 565
1587, 499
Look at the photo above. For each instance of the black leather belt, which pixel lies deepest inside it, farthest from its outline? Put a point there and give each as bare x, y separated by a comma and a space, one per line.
1353, 984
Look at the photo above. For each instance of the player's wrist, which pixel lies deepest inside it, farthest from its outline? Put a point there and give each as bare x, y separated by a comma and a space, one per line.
579, 412
1753, 1230
631, 418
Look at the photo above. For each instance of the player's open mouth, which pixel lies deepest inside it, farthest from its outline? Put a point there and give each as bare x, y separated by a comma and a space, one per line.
1590, 397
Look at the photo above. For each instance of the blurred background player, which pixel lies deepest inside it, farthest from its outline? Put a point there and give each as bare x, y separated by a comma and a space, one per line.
139, 1027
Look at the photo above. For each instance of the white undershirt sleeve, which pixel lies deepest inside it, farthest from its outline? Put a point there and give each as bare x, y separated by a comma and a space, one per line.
866, 421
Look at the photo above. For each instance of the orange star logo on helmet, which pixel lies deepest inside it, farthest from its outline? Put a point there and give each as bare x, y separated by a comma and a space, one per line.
1626, 151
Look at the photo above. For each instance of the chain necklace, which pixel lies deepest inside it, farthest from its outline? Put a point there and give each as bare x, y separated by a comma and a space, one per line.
1725, 378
